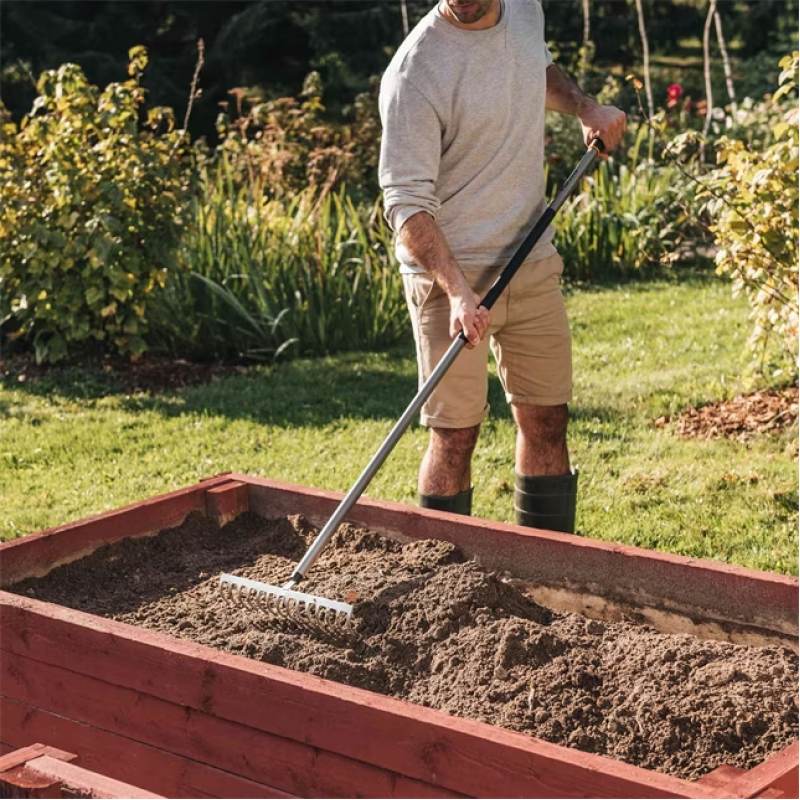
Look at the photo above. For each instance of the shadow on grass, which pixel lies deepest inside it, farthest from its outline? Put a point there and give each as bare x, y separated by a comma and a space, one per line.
301, 393
369, 386
693, 276
68, 382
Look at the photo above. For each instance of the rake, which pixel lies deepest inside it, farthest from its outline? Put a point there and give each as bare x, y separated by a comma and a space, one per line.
284, 602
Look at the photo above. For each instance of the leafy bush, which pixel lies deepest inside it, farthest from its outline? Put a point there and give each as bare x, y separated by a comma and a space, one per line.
90, 204
630, 219
311, 274
281, 147
753, 200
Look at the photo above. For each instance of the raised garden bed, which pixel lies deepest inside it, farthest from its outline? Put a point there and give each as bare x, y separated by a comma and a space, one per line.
207, 720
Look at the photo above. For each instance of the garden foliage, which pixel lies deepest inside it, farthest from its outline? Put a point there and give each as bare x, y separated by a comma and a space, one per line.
281, 147
753, 202
629, 219
305, 274
91, 200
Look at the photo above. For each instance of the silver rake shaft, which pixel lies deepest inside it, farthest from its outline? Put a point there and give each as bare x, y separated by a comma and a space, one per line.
287, 604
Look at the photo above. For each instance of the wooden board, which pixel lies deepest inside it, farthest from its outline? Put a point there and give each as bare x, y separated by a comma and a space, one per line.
126, 760
460, 755
292, 766
85, 782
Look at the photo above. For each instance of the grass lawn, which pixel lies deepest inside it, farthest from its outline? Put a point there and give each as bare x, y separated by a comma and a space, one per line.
70, 446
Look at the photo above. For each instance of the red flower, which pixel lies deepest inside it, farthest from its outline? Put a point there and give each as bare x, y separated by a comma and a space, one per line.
675, 91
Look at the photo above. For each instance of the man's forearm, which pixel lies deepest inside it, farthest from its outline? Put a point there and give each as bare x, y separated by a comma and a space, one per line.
564, 95
598, 122
426, 244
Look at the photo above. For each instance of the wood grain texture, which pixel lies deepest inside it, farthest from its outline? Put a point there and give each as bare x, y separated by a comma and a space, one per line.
460, 755
126, 760
289, 765
84, 781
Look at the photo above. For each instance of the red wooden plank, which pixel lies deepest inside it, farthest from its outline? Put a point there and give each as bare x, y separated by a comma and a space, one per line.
708, 589
462, 755
780, 772
721, 778
38, 553
23, 754
225, 503
292, 766
84, 781
126, 760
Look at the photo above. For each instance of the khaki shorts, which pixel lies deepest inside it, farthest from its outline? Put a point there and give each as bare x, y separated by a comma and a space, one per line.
529, 337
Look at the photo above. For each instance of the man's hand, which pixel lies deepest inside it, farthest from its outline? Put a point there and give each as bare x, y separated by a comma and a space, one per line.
606, 123
598, 122
466, 314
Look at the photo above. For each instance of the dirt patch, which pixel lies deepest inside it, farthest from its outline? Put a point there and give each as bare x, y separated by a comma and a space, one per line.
756, 414
112, 375
439, 631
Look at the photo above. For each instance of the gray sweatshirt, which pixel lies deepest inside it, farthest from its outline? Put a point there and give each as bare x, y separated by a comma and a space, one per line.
463, 134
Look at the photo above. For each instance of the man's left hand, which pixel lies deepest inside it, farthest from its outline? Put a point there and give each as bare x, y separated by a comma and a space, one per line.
606, 123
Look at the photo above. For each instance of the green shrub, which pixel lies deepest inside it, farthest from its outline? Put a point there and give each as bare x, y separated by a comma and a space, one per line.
630, 219
753, 201
90, 205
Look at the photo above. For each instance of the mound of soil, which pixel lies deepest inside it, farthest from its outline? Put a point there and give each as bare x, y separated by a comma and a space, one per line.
437, 630
756, 414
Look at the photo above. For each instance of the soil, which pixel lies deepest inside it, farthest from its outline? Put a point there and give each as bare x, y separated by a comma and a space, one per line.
746, 416
110, 375
437, 630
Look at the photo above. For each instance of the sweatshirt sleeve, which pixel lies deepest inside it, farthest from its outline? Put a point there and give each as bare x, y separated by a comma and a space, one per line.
411, 148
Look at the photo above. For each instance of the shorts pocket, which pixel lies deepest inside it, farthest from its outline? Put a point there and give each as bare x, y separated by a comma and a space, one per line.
422, 289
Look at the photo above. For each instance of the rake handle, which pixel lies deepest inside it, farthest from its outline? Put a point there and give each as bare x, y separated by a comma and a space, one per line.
312, 554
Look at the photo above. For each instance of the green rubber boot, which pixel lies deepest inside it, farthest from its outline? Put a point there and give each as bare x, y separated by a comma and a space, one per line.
460, 503
546, 501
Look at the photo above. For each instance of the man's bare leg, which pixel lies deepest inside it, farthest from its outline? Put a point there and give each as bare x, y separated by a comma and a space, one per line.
445, 469
541, 439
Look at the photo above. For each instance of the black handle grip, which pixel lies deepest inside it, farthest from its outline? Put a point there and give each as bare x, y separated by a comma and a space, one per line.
595, 148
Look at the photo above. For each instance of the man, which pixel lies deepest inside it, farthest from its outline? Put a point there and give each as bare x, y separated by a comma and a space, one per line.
462, 170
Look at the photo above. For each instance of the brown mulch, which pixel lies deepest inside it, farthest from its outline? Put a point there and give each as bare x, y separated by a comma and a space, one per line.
756, 414
149, 373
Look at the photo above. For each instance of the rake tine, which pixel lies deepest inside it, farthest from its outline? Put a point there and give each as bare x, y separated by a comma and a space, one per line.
304, 610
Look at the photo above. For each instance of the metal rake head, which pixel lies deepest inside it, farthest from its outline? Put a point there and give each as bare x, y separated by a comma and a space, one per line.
295, 607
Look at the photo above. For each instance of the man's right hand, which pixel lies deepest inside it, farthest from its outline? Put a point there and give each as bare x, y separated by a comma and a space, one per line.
468, 315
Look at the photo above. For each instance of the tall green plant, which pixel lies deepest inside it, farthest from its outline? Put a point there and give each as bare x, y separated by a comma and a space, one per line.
307, 274
90, 210
629, 219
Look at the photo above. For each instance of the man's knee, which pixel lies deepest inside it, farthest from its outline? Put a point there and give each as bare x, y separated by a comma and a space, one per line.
542, 423
455, 443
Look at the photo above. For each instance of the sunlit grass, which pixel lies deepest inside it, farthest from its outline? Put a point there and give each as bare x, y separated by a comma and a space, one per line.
68, 448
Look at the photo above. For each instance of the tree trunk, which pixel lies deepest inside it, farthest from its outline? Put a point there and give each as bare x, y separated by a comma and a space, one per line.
646, 58
725, 62
712, 7
586, 45
404, 13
